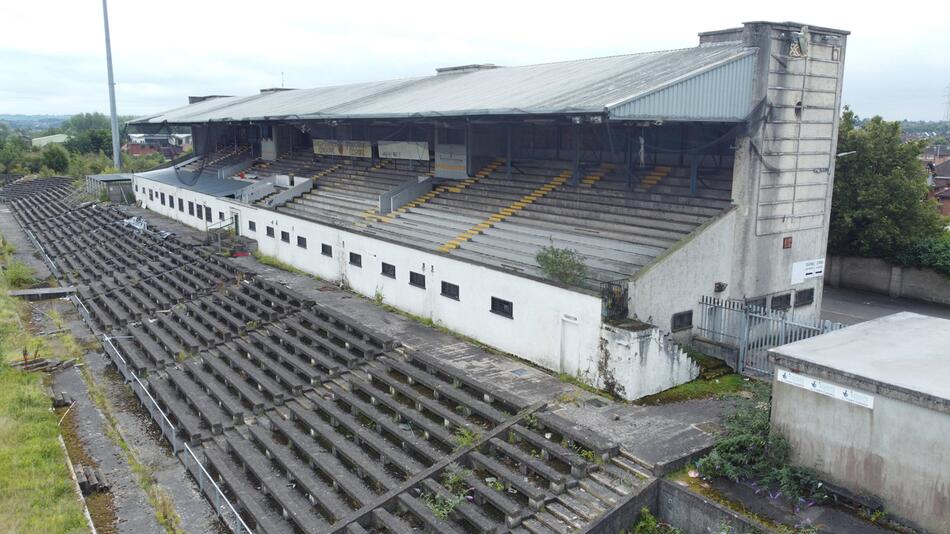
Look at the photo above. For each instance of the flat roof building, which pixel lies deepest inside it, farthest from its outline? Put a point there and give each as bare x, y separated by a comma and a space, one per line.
868, 407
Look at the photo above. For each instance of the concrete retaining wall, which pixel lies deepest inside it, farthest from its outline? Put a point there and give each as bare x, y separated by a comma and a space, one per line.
879, 276
695, 514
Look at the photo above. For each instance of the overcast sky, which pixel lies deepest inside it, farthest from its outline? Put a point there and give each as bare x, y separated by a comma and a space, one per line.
52, 52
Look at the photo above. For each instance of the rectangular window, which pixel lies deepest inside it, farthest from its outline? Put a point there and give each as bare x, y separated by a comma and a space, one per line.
181, 205
191, 208
502, 307
171, 202
301, 242
804, 297
136, 188
450, 290
389, 270
417, 280
326, 250
682, 321
356, 260
151, 197
161, 197
251, 226
207, 214
270, 231
200, 210
782, 302
285, 236
220, 215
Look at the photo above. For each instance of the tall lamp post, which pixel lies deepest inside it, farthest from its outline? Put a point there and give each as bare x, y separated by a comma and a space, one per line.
116, 156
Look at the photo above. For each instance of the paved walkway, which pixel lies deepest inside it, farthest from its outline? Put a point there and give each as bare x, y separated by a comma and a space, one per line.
850, 306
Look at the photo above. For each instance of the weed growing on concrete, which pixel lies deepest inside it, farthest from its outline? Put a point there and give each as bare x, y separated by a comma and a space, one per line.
562, 264
157, 496
442, 506
495, 484
453, 478
276, 263
647, 524
748, 449
465, 437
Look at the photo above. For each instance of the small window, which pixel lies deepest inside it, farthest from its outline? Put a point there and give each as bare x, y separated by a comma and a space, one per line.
285, 236
220, 215
417, 280
804, 297
207, 214
356, 260
181, 205
502, 307
326, 250
161, 197
200, 210
171, 202
301, 242
151, 197
191, 208
682, 321
270, 231
389, 270
782, 302
251, 226
450, 290
758, 303
136, 188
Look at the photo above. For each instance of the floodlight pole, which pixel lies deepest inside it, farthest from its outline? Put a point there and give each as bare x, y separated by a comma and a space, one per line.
116, 156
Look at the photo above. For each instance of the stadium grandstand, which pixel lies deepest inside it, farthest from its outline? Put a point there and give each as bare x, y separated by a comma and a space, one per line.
674, 175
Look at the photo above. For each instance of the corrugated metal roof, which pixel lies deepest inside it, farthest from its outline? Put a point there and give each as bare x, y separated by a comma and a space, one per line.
579, 86
207, 183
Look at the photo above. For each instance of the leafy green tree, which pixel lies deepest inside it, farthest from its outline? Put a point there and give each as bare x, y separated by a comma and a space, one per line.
84, 122
91, 141
11, 151
55, 158
879, 207
141, 163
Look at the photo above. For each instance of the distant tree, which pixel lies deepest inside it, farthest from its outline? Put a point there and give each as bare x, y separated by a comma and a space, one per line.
90, 142
879, 207
84, 122
55, 158
12, 151
141, 163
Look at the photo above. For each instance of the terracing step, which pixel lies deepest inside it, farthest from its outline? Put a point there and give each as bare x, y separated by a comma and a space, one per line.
372, 215
507, 211
595, 176
653, 178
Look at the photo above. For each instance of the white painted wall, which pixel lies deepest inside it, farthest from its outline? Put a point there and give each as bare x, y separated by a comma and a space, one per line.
677, 279
641, 363
556, 328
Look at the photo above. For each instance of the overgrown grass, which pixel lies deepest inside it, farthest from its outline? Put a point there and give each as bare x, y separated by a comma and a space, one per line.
700, 388
18, 275
276, 263
36, 492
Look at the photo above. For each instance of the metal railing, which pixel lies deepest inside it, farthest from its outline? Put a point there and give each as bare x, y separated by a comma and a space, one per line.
753, 331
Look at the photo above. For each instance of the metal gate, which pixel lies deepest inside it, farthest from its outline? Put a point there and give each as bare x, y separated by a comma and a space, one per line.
753, 330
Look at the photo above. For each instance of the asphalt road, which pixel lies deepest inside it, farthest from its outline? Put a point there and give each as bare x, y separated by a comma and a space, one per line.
851, 306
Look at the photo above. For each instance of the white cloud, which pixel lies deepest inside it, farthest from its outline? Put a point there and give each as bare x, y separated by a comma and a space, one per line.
53, 60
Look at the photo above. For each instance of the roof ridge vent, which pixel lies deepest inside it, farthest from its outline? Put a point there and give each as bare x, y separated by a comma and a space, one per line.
465, 68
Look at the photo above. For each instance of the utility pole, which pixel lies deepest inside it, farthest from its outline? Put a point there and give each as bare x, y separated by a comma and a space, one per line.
116, 157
